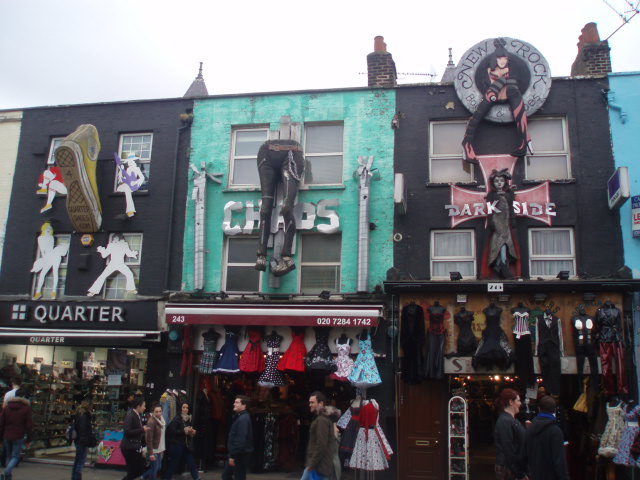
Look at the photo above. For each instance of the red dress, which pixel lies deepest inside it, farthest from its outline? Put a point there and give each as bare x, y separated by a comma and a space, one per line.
252, 359
293, 358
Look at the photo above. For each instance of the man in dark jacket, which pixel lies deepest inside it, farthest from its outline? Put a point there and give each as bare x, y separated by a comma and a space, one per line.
544, 444
15, 423
240, 441
131, 444
322, 447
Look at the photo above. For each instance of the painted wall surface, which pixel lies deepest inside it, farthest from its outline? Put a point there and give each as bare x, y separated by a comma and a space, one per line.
581, 202
10, 123
367, 116
625, 93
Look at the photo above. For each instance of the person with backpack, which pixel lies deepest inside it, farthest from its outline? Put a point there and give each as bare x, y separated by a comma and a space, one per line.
15, 422
83, 437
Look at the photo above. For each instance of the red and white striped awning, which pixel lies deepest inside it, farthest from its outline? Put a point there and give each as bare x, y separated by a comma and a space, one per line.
270, 314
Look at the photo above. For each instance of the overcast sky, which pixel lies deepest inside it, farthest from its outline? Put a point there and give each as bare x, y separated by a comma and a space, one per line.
55, 52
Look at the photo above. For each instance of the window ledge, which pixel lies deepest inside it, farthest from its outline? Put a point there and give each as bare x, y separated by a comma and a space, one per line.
448, 184
301, 189
139, 193
559, 181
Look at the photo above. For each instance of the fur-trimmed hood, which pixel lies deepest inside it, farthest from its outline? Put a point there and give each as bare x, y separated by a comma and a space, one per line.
17, 402
332, 412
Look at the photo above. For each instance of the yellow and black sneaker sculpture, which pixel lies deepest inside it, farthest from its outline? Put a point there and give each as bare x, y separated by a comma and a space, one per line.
77, 158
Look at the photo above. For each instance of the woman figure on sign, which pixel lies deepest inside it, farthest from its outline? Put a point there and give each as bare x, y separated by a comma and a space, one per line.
502, 251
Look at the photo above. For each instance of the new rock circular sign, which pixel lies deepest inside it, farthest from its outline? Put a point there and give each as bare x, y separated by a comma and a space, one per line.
491, 67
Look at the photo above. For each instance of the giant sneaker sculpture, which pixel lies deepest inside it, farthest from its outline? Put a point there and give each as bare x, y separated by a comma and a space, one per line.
77, 159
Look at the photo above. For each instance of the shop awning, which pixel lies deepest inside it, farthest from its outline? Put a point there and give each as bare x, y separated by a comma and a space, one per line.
271, 314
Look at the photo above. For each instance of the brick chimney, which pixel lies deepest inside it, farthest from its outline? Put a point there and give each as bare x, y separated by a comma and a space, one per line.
594, 55
381, 68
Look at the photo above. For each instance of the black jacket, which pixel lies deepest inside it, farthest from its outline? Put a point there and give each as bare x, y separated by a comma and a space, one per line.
509, 438
82, 424
544, 450
176, 434
133, 431
240, 435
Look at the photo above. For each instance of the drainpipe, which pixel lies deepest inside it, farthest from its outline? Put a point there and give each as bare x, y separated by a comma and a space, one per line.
611, 98
365, 173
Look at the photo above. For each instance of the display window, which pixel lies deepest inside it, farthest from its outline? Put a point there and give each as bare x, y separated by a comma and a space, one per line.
57, 379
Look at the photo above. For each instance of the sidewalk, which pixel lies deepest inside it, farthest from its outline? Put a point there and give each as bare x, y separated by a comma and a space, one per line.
41, 471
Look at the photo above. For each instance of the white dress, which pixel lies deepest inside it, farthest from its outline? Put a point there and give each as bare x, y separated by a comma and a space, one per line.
371, 451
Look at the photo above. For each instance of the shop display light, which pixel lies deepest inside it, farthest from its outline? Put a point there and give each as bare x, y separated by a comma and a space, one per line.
455, 275
563, 275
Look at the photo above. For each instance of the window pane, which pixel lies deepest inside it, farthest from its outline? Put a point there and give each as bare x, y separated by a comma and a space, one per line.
134, 240
442, 269
550, 242
323, 139
547, 168
447, 138
243, 279
138, 144
323, 170
321, 248
115, 285
449, 170
547, 135
550, 268
248, 142
242, 250
315, 279
245, 171
452, 244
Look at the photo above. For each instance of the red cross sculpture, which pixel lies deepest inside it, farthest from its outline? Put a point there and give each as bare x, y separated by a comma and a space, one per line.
471, 204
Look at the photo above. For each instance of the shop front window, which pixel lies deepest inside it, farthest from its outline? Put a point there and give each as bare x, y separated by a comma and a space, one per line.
57, 378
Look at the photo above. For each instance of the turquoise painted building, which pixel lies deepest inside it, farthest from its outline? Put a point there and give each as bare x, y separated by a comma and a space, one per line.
624, 115
335, 129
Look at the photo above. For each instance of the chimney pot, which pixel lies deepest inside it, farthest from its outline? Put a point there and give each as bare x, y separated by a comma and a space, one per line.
379, 45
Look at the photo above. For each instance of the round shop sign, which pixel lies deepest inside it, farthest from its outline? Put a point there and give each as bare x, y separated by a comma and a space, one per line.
526, 69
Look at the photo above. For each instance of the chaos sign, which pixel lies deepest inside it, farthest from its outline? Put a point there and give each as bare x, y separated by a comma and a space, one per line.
525, 69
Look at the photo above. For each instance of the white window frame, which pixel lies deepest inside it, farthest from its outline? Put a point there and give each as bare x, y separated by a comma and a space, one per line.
550, 153
143, 160
234, 133
53, 145
324, 154
449, 156
551, 257
456, 258
62, 271
250, 264
133, 263
320, 264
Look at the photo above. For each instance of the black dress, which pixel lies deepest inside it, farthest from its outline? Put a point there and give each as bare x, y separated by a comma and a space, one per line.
467, 343
494, 348
549, 342
203, 423
412, 341
272, 377
320, 357
434, 367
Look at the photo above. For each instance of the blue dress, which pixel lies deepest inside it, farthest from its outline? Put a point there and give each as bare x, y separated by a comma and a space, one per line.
229, 360
365, 372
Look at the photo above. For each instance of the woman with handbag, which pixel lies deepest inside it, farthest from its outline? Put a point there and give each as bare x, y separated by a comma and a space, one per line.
131, 445
180, 433
155, 442
84, 437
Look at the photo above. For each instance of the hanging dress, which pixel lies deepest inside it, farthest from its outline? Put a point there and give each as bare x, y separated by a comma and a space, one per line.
344, 363
293, 358
209, 352
467, 342
252, 359
350, 424
320, 357
494, 348
610, 439
229, 361
523, 350
434, 365
272, 377
629, 434
365, 372
371, 451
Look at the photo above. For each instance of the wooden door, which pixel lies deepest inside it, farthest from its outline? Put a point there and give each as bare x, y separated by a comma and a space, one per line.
422, 430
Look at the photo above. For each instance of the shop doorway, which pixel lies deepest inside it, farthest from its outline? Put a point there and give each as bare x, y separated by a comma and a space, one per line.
422, 427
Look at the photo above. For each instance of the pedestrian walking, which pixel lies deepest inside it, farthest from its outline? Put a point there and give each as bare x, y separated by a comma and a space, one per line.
322, 446
155, 442
240, 441
544, 444
509, 437
85, 438
180, 433
15, 422
16, 383
131, 445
